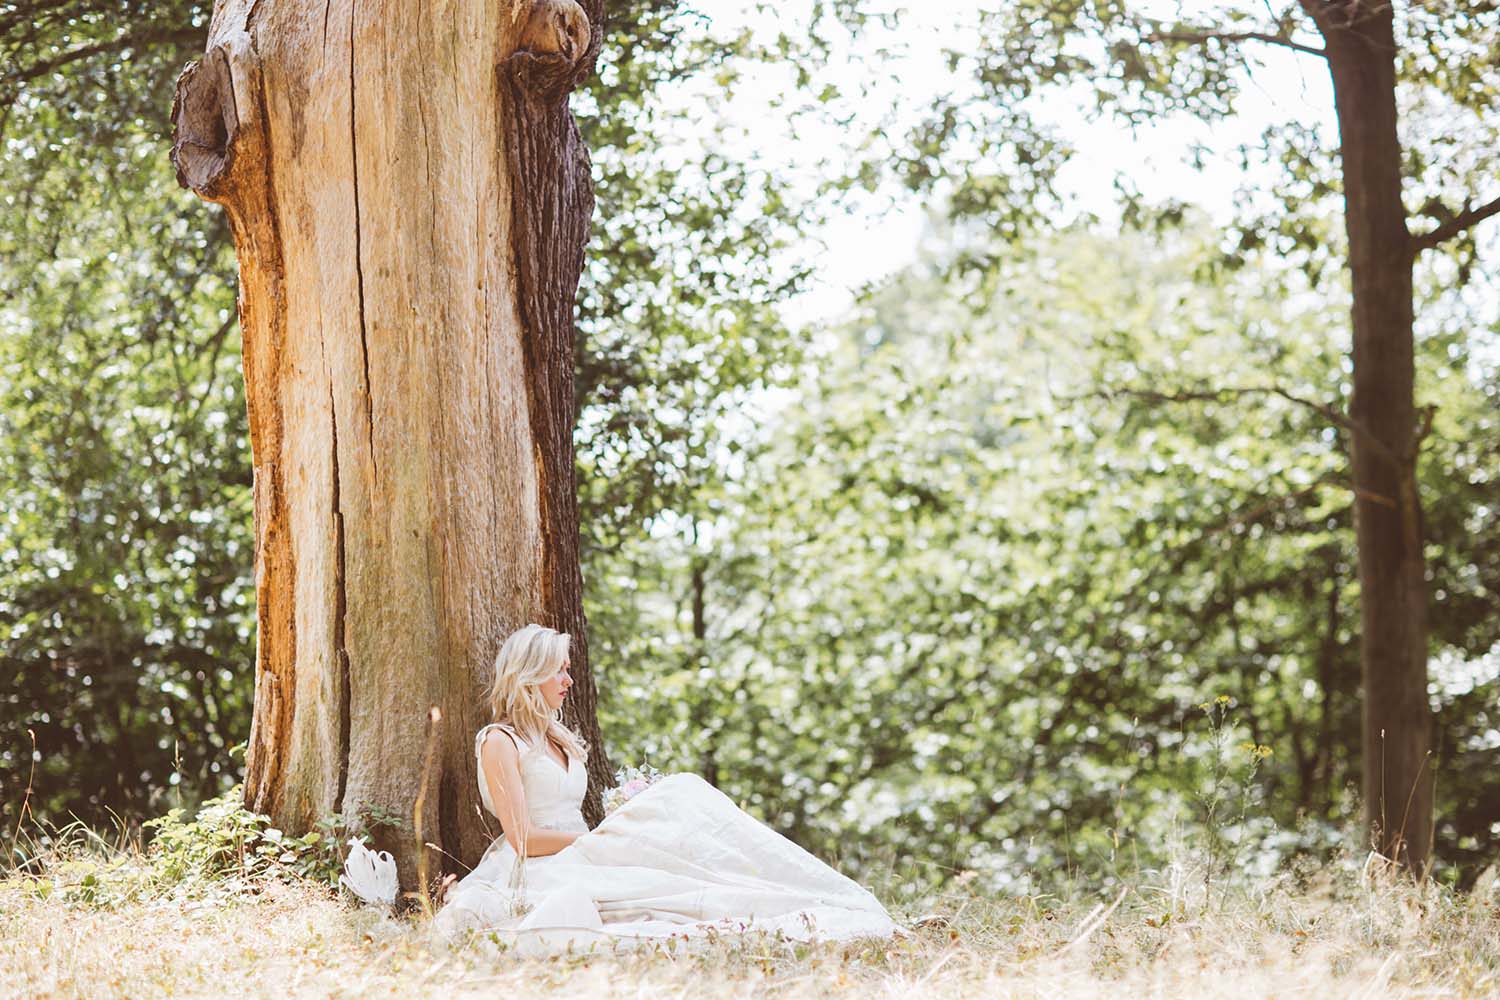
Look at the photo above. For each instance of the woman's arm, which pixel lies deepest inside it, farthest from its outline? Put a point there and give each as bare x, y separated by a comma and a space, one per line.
502, 775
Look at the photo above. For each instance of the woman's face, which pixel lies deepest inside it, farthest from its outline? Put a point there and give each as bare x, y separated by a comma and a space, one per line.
555, 688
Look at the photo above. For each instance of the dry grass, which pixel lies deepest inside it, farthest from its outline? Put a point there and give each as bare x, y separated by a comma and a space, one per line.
1328, 934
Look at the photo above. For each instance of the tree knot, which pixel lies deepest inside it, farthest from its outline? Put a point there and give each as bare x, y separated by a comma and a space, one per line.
554, 27
204, 123
554, 46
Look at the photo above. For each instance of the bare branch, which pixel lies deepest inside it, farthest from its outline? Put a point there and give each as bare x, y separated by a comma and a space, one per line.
1463, 220
1249, 515
1202, 37
1220, 395
153, 36
1428, 412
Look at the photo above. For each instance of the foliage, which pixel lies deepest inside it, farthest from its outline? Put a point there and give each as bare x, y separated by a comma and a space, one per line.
964, 601
226, 838
222, 848
996, 149
125, 543
690, 256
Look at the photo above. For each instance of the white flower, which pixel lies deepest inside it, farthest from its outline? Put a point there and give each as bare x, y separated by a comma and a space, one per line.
629, 782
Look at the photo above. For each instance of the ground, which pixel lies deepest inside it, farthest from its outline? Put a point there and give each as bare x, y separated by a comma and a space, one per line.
109, 926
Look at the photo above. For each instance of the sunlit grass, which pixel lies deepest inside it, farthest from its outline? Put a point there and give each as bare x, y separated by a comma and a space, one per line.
91, 918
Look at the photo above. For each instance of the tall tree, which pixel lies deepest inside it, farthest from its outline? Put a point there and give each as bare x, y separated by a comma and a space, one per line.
409, 199
1360, 47
1142, 67
126, 571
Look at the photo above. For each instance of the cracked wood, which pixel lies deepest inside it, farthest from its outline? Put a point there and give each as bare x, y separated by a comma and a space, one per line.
410, 238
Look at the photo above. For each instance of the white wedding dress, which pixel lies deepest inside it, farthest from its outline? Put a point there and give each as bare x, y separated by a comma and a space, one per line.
677, 859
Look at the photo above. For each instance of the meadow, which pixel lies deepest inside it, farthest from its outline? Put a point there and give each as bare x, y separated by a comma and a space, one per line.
93, 918
1038, 457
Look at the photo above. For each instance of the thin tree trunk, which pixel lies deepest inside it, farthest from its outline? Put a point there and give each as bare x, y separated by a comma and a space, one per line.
409, 199
1328, 657
1361, 50
708, 762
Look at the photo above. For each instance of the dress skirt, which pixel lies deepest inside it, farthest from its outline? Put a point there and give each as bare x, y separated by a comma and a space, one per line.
678, 859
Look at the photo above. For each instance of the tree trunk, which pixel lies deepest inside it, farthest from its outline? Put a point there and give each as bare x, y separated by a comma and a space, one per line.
409, 199
1361, 49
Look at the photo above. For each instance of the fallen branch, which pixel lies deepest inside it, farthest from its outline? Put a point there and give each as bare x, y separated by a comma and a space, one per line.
434, 717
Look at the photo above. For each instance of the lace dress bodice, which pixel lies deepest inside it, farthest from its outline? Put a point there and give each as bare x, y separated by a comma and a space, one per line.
554, 794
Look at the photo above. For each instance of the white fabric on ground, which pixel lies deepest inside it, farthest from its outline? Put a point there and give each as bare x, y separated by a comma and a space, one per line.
676, 860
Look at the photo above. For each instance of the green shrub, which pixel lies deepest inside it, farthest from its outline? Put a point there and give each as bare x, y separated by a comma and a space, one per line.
225, 838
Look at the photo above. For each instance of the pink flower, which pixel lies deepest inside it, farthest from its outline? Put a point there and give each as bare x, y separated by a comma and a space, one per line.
633, 786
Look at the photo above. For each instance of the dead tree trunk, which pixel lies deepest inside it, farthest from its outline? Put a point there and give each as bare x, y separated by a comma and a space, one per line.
409, 198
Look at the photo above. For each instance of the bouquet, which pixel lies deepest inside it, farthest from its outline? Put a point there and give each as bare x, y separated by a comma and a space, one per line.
629, 782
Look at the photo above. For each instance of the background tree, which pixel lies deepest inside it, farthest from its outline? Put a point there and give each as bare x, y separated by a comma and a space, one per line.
1386, 61
964, 603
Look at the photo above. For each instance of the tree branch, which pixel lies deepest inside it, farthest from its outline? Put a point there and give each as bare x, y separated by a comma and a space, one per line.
154, 36
1219, 396
1201, 37
215, 343
1249, 515
1463, 220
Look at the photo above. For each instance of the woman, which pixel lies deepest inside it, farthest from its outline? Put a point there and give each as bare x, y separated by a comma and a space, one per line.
676, 859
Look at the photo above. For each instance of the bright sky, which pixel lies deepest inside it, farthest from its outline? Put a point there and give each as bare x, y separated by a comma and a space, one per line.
875, 241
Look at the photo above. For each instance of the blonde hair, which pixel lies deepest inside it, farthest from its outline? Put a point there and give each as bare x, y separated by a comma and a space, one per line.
527, 659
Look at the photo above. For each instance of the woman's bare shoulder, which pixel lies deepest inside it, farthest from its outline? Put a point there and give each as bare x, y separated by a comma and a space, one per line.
510, 749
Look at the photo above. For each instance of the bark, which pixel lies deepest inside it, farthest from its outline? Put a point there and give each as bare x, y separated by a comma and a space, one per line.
1361, 49
708, 763
409, 200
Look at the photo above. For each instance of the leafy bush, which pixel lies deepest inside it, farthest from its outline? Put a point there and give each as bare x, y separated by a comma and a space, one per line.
225, 838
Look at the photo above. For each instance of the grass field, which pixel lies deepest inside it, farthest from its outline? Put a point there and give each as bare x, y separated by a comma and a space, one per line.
95, 922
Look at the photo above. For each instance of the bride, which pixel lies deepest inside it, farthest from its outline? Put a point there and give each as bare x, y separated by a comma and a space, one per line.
678, 858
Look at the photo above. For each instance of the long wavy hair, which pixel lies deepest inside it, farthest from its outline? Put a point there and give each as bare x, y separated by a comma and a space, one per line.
528, 658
